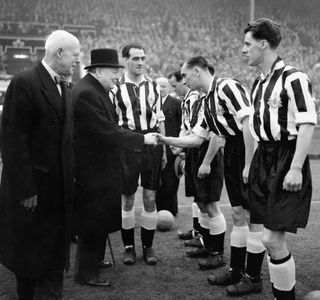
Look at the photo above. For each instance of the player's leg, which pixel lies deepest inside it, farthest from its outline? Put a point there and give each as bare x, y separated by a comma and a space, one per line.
148, 225
214, 241
150, 177
281, 264
234, 155
251, 281
127, 230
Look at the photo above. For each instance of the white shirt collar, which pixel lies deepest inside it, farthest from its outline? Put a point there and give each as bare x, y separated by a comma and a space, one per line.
126, 79
52, 73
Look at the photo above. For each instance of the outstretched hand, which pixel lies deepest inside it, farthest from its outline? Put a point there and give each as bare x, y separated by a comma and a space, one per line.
151, 138
161, 139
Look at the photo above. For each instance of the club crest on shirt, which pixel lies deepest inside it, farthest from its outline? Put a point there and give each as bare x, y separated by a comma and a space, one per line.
219, 110
275, 101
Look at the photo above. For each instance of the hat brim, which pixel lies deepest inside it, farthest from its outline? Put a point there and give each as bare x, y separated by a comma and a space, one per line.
103, 66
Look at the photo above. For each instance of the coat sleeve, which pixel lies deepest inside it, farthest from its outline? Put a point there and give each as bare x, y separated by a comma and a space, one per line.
16, 129
93, 121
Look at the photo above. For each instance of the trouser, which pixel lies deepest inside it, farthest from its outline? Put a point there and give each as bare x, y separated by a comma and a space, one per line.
90, 251
48, 287
166, 197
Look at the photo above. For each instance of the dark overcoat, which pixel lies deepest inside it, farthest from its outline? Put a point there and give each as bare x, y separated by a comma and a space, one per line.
36, 141
166, 198
98, 141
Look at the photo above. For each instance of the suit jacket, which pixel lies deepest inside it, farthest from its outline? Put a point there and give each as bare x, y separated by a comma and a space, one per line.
36, 145
172, 111
98, 141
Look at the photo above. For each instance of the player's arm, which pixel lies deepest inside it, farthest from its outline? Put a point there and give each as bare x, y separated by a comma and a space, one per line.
293, 180
298, 88
188, 141
237, 99
215, 144
249, 145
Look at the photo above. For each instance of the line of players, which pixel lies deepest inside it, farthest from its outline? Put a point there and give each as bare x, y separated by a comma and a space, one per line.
268, 182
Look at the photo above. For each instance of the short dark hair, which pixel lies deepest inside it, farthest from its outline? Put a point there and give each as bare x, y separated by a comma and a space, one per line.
126, 49
176, 74
201, 62
265, 29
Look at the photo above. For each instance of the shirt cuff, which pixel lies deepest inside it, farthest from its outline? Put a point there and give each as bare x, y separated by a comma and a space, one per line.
200, 131
242, 113
306, 118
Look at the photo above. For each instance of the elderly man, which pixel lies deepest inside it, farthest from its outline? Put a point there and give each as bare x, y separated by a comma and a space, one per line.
98, 180
37, 177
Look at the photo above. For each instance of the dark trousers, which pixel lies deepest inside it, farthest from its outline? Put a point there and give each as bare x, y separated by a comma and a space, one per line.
90, 251
48, 287
166, 198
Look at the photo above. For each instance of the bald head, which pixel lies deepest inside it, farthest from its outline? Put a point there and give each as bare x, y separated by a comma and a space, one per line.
62, 52
165, 87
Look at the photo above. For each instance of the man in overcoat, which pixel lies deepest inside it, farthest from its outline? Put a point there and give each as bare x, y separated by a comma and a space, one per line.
37, 177
98, 182
166, 197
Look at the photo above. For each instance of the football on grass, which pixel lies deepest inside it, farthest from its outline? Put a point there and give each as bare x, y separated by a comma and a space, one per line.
165, 220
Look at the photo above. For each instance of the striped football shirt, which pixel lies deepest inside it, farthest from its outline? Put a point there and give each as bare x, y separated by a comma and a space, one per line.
187, 107
139, 107
281, 101
226, 105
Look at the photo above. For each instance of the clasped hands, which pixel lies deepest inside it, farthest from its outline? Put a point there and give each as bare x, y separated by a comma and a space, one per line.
154, 139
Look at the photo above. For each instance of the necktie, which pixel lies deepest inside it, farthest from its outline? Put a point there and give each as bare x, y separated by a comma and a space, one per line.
63, 84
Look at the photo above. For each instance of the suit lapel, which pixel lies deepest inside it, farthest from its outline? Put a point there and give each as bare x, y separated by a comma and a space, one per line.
166, 105
49, 89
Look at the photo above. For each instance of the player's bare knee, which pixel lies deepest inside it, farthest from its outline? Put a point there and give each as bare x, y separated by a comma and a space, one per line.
127, 202
213, 209
149, 200
239, 217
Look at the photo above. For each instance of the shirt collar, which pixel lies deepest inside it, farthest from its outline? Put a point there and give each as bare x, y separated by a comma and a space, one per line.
278, 64
164, 98
52, 73
127, 80
212, 86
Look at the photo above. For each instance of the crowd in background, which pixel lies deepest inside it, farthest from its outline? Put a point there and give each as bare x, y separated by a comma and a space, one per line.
171, 31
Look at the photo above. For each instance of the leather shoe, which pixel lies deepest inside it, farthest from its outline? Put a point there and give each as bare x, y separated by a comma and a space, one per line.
198, 252
213, 261
195, 242
98, 282
187, 235
105, 264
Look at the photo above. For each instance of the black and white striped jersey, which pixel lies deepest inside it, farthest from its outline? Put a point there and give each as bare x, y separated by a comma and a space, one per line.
281, 101
138, 108
225, 106
187, 106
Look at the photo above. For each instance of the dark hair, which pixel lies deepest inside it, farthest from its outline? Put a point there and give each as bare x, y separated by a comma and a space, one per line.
126, 49
201, 62
176, 74
265, 29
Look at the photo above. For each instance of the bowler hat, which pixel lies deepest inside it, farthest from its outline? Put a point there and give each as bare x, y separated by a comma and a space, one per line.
104, 57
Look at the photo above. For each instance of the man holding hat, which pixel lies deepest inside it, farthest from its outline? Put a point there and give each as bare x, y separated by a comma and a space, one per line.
98, 140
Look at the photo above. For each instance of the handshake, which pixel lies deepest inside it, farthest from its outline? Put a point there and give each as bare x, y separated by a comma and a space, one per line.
154, 139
